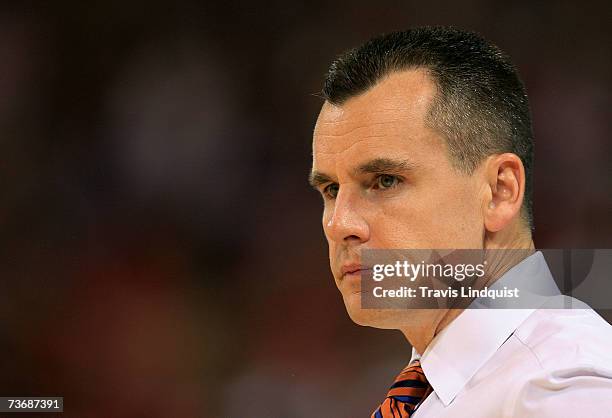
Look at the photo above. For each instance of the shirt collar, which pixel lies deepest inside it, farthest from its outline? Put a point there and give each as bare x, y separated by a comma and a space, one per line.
455, 355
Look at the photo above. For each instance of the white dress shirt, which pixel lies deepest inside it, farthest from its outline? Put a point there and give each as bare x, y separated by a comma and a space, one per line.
520, 362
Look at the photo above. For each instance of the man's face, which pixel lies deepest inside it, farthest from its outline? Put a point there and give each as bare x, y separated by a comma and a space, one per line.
387, 183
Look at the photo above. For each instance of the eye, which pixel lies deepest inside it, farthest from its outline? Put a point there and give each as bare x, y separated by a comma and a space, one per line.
331, 191
386, 181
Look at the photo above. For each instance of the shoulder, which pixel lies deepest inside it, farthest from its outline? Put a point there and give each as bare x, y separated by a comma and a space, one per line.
563, 337
572, 348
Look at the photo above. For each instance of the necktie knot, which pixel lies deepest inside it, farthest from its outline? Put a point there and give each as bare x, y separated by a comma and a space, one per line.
408, 390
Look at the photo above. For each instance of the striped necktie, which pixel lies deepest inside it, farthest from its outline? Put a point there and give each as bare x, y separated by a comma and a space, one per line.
409, 389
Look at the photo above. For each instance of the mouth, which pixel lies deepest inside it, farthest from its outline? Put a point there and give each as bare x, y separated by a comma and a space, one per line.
354, 270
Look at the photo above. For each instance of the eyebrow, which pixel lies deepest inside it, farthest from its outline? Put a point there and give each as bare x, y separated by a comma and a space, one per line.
385, 165
316, 178
375, 166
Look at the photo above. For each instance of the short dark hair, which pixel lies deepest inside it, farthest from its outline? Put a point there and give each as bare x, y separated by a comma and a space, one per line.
481, 105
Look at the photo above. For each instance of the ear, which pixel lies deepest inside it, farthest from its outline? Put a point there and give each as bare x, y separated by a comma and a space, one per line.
506, 178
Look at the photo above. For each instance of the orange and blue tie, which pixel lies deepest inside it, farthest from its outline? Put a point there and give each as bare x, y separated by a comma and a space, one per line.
407, 392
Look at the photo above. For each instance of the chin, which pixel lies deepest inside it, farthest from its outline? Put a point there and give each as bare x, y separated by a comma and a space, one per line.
375, 318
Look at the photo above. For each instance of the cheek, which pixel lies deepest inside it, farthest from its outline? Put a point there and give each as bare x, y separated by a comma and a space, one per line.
400, 224
432, 219
458, 219
324, 223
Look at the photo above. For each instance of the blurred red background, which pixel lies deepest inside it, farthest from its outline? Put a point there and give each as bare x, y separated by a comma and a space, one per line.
161, 252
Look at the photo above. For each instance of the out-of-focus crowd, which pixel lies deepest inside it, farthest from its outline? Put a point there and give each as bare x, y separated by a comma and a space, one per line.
161, 252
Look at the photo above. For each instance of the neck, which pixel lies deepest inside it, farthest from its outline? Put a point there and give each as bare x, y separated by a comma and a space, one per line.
433, 321
430, 322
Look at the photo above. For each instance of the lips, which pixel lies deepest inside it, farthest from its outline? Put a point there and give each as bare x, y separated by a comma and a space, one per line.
351, 269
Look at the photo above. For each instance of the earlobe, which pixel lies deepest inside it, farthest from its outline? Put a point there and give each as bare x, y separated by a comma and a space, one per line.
494, 219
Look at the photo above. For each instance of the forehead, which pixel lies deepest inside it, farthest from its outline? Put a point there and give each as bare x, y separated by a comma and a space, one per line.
388, 119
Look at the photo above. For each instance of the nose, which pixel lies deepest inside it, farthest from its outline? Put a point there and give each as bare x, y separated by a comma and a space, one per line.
346, 223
